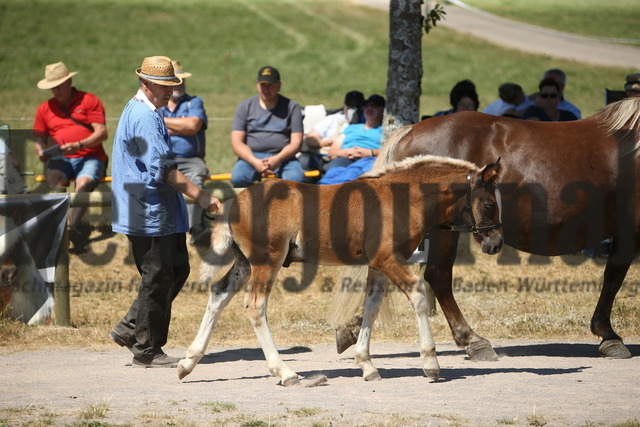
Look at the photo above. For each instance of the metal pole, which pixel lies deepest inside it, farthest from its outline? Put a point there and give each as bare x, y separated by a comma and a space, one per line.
61, 286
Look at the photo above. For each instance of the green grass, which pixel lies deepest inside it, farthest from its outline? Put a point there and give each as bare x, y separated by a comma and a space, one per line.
323, 49
617, 19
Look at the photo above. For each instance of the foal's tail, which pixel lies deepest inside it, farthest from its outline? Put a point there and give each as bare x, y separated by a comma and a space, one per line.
220, 256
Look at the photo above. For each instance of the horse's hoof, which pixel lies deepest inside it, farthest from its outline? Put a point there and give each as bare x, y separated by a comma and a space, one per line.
433, 374
182, 372
614, 349
481, 351
291, 382
373, 377
344, 338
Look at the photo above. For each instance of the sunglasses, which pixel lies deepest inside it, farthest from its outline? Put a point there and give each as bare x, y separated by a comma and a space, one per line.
549, 95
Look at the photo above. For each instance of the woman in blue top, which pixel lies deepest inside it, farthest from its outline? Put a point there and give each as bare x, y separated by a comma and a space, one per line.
545, 108
359, 140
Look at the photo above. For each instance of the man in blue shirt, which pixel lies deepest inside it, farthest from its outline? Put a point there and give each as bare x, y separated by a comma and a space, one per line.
186, 120
266, 134
148, 206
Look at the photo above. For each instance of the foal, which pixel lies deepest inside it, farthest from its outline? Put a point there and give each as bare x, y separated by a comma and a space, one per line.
377, 220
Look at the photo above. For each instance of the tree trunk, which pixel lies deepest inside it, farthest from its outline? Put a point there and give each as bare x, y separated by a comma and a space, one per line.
405, 65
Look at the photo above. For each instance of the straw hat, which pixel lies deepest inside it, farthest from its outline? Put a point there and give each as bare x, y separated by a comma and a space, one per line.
55, 75
180, 72
158, 70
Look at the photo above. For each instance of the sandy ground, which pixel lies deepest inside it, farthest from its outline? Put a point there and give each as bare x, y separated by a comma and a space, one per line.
531, 384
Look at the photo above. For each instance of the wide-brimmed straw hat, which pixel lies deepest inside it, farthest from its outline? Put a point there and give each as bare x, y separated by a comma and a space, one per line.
180, 72
55, 75
158, 70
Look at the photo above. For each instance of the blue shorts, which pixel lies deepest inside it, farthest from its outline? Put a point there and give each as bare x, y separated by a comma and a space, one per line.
74, 167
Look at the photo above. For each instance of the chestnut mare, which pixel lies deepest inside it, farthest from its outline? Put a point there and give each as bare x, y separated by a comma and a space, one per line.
566, 186
377, 220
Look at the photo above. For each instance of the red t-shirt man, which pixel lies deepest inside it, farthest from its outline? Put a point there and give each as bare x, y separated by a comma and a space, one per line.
74, 123
52, 119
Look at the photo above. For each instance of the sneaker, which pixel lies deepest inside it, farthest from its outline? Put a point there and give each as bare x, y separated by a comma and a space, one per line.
121, 341
159, 361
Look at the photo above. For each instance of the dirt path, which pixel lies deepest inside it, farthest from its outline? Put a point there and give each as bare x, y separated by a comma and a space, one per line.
532, 39
533, 383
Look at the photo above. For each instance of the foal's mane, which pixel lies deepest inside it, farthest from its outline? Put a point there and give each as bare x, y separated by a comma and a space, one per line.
623, 114
435, 161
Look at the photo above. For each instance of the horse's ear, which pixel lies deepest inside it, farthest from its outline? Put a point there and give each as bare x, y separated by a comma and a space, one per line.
491, 171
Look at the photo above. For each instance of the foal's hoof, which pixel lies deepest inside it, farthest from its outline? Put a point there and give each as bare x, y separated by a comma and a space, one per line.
614, 349
481, 351
291, 382
373, 377
433, 374
344, 338
182, 372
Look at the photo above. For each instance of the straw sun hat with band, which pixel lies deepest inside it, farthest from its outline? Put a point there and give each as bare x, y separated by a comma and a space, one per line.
55, 75
158, 70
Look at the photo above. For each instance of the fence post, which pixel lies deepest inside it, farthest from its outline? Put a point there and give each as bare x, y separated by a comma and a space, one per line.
61, 284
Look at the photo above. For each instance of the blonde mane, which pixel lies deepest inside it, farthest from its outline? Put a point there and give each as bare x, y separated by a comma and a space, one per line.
621, 115
436, 161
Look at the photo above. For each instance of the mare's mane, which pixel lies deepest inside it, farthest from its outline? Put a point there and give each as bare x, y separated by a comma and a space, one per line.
620, 115
426, 159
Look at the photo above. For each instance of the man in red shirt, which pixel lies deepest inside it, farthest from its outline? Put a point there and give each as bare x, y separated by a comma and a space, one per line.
69, 130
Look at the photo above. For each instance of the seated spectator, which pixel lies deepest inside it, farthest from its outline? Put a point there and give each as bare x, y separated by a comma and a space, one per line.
560, 78
186, 120
72, 125
354, 151
546, 105
512, 101
463, 97
266, 134
317, 142
632, 85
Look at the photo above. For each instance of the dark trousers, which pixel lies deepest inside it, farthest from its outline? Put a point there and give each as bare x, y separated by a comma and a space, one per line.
163, 264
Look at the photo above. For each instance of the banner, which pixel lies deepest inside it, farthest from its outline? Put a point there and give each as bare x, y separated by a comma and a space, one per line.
31, 230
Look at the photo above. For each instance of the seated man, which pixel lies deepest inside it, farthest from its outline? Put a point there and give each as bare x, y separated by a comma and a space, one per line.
320, 138
266, 134
354, 151
73, 122
186, 120
512, 101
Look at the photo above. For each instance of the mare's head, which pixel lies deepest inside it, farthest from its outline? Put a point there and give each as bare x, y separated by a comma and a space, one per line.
480, 209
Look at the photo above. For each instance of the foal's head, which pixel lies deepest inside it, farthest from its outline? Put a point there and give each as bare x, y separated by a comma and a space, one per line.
481, 212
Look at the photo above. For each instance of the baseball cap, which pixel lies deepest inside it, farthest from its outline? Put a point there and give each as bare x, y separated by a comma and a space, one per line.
268, 74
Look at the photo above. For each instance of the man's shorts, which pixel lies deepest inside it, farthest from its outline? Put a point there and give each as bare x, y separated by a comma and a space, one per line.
75, 167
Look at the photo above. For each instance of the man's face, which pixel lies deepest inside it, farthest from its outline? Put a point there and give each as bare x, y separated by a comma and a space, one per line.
62, 92
158, 95
268, 91
178, 91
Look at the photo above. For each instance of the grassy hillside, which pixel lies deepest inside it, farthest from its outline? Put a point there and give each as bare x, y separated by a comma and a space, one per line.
323, 49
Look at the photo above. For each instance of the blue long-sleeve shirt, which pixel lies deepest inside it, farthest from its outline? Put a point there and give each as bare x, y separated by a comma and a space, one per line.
142, 203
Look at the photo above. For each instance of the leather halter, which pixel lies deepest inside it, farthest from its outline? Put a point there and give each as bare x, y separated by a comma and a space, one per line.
473, 228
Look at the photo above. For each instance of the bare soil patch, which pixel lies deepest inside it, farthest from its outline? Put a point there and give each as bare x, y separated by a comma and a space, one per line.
533, 383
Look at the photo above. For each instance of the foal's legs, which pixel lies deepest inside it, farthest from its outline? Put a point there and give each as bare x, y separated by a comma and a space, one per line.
262, 278
414, 288
439, 274
219, 296
374, 294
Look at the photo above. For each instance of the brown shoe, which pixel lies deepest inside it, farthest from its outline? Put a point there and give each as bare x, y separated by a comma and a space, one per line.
159, 361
